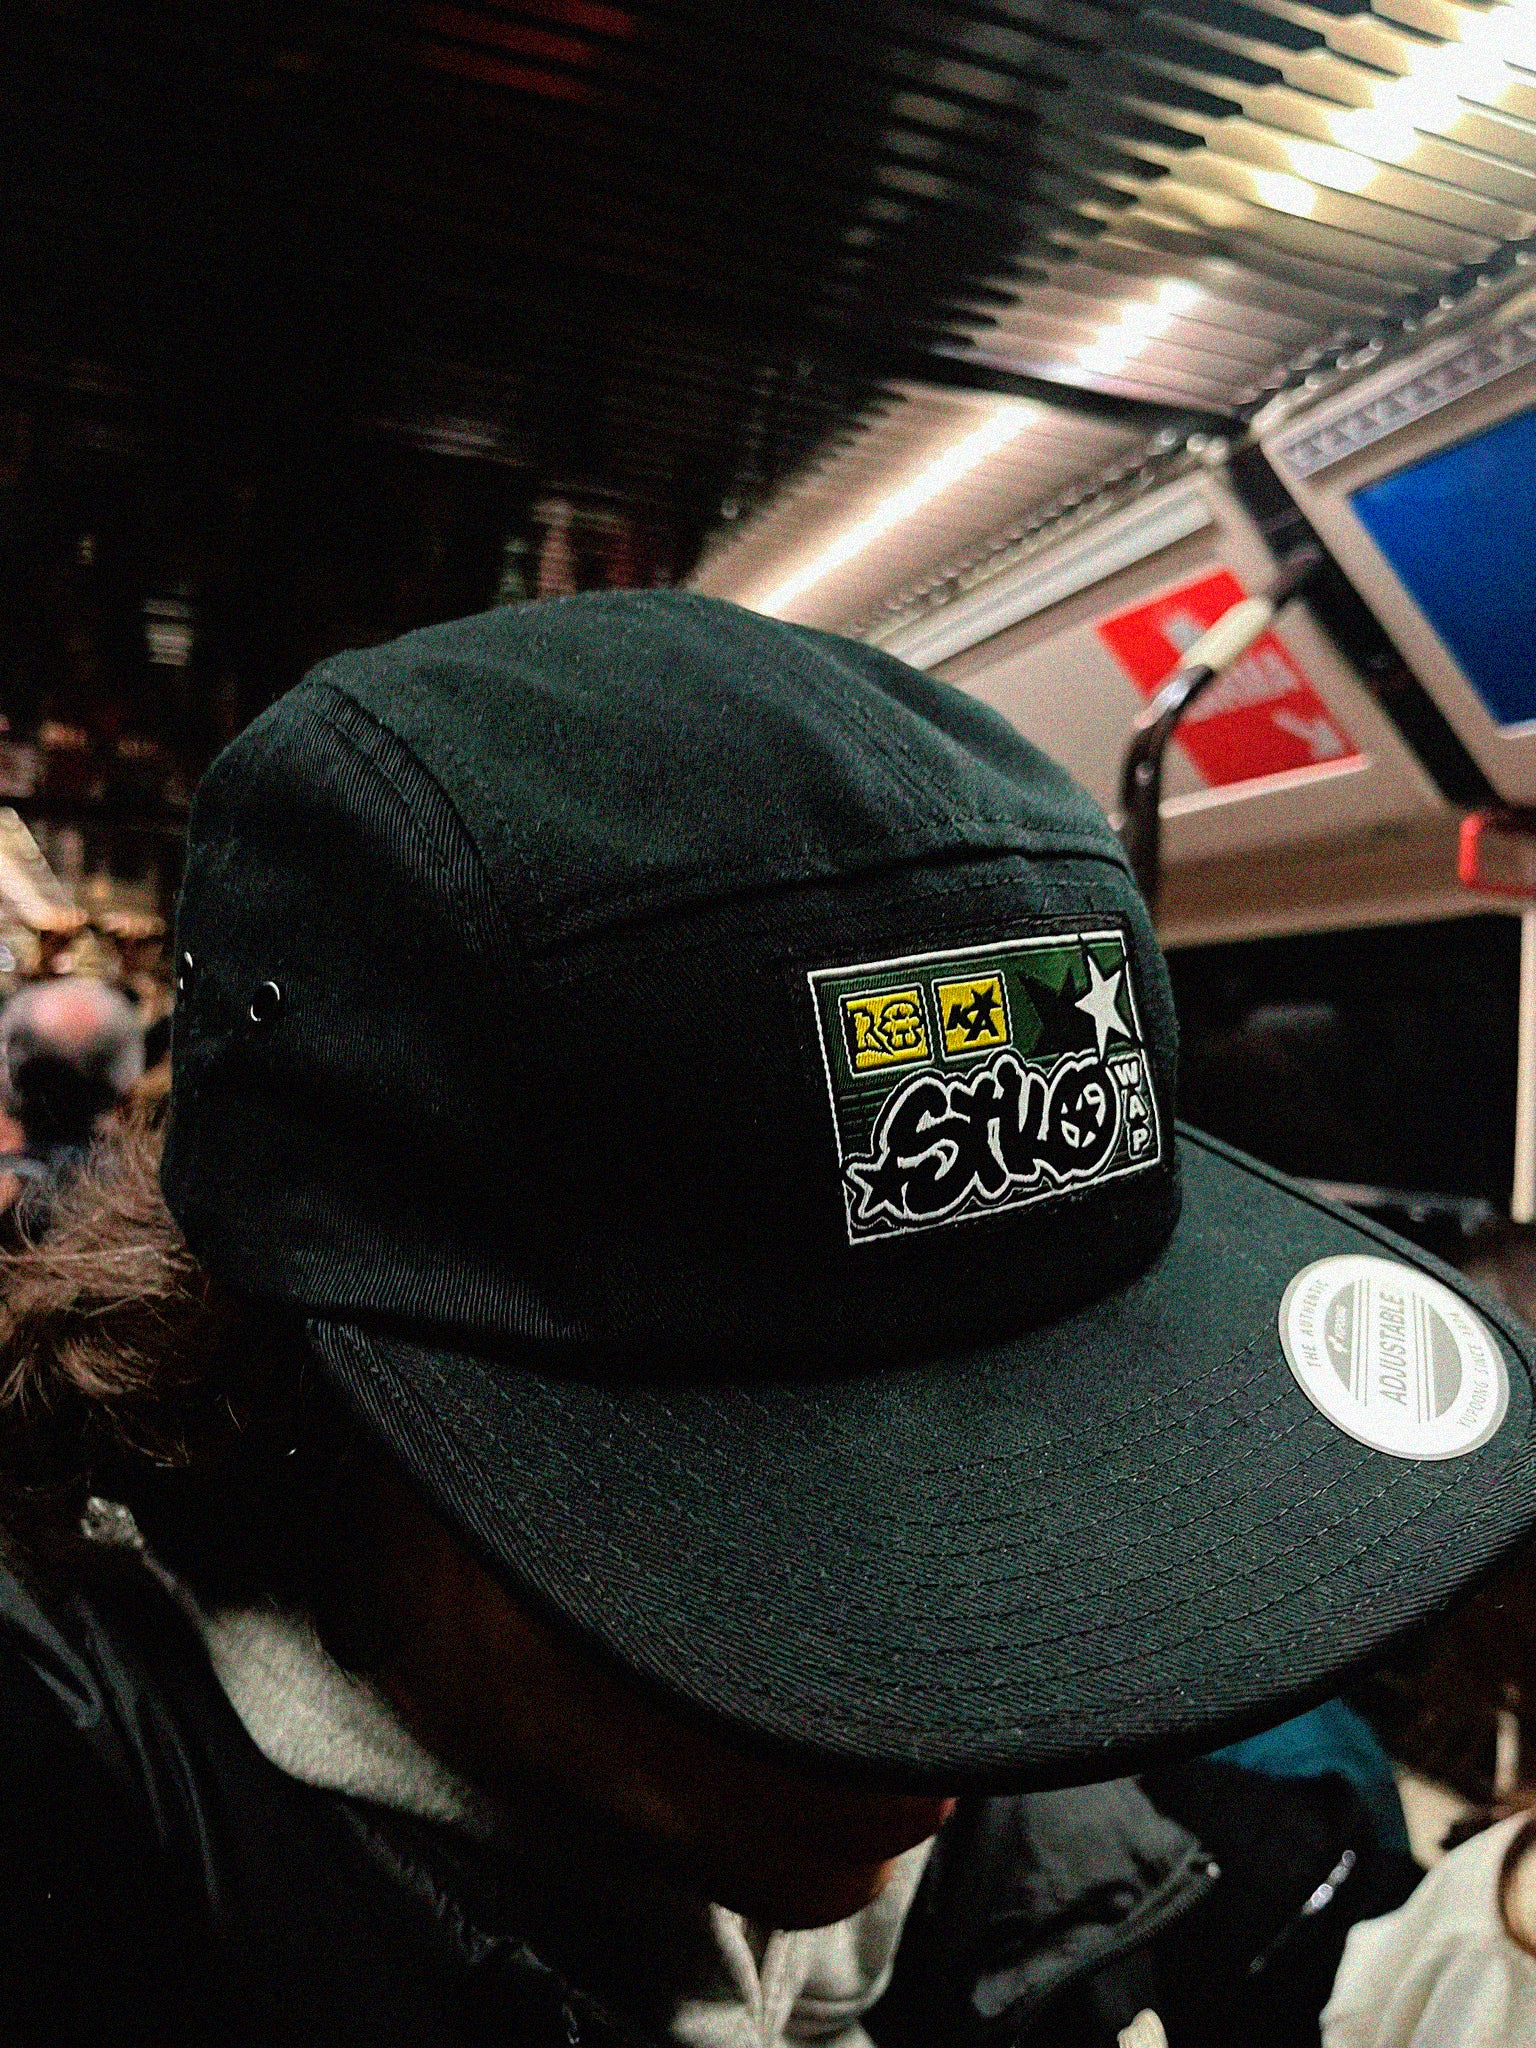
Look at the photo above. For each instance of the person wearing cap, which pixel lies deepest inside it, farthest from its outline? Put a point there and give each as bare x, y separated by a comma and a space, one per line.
675, 1337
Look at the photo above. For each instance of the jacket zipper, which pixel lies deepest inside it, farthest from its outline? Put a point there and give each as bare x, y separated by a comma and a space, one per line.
1196, 1883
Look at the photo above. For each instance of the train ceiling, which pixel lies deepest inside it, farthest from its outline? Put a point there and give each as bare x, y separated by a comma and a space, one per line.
1249, 197
707, 259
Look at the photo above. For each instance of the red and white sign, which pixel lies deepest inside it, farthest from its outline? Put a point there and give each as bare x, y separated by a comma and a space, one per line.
1261, 718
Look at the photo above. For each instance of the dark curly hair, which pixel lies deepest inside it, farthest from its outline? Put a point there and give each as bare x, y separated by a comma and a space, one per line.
127, 1374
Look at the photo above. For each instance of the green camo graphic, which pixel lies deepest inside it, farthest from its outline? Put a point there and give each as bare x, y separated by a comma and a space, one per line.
968, 1082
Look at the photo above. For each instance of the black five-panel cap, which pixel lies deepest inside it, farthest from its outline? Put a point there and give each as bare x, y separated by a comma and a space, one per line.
708, 1090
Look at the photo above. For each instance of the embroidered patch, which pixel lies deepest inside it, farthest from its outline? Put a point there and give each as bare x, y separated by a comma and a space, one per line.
970, 1082
885, 1030
974, 1013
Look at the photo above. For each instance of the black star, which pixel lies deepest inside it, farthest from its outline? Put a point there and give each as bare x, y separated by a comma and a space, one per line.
1063, 1027
975, 1018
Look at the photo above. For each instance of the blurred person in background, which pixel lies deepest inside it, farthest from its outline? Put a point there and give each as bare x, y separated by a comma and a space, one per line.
1455, 1966
71, 1051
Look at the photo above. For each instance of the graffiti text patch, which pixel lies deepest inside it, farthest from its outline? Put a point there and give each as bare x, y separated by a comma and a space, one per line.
969, 1082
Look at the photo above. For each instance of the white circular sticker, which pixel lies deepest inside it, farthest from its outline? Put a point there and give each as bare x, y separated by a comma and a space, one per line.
1394, 1359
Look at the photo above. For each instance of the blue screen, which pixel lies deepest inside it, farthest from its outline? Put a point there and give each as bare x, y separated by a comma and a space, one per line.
1460, 530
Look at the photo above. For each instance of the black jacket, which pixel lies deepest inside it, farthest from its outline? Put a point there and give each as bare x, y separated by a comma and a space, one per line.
161, 1882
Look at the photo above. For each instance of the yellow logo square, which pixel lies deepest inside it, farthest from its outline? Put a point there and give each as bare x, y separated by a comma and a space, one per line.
973, 1015
885, 1030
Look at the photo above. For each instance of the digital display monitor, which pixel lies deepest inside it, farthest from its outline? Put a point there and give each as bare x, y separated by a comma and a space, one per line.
1459, 528
1419, 476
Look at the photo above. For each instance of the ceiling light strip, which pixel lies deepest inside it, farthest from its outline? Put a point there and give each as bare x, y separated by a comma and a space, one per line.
1005, 423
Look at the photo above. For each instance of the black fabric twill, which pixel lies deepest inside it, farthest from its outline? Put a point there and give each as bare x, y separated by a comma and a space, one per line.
540, 1142
1092, 1547
603, 1129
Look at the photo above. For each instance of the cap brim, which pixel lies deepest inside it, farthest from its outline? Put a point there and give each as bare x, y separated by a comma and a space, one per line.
1048, 1561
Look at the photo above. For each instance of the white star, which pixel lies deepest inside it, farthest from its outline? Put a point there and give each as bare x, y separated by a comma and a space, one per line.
1102, 1003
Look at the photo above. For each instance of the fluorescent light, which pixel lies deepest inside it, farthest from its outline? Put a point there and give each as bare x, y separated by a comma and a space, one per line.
1438, 78
1138, 324
1177, 295
1109, 356
1003, 425
1339, 168
1144, 319
1284, 193
1380, 131
1475, 61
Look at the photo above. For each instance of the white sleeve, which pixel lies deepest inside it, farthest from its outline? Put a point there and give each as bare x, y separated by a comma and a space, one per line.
1453, 1991
1440, 1972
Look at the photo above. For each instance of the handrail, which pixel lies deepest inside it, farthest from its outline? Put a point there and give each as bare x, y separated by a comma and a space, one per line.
1141, 774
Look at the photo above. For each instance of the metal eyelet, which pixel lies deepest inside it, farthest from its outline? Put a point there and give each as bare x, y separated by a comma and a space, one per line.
186, 967
266, 1003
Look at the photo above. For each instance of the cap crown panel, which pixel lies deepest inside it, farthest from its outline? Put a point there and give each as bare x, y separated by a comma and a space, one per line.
546, 1066
605, 772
